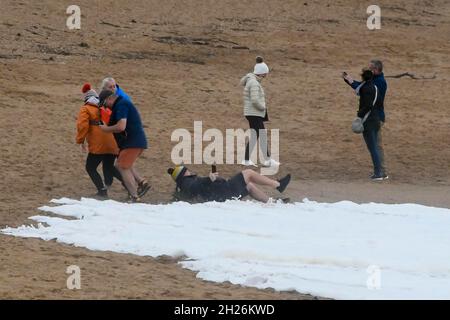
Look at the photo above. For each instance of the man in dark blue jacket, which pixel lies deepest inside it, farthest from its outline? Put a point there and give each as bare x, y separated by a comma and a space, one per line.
376, 66
126, 125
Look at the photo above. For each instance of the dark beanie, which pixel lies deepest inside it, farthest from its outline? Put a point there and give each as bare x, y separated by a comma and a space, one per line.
177, 173
367, 75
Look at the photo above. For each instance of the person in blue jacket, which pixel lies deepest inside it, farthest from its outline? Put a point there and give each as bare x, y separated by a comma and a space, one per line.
126, 125
376, 66
111, 85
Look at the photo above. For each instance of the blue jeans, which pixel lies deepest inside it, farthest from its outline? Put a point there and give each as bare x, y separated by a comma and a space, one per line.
371, 139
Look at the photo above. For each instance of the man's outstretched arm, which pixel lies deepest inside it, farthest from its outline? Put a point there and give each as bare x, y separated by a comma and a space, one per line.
349, 80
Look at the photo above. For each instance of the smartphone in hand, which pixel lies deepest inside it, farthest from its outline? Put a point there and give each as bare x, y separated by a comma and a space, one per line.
213, 168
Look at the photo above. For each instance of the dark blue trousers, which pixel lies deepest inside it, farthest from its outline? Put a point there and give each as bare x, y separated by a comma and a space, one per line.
371, 138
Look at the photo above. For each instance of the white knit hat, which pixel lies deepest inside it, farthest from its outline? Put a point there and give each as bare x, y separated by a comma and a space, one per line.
261, 68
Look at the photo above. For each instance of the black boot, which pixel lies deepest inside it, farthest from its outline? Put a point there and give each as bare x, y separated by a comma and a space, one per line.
284, 183
103, 193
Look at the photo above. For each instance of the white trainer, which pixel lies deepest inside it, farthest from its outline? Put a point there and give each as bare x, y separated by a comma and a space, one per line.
271, 163
248, 163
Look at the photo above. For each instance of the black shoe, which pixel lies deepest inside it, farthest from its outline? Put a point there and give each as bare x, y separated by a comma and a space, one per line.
284, 183
376, 177
102, 193
143, 188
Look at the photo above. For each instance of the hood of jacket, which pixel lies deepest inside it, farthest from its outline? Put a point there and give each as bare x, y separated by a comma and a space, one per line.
247, 77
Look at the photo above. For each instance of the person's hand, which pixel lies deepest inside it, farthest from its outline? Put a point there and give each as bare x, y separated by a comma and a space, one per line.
83, 147
213, 176
348, 78
103, 127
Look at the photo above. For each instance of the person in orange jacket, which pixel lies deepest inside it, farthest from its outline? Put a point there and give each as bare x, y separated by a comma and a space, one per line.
101, 145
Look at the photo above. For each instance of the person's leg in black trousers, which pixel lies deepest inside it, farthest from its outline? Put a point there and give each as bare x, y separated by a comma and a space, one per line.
92, 163
254, 136
263, 141
257, 124
109, 170
116, 172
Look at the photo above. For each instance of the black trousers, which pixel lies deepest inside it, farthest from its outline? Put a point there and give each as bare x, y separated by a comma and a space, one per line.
257, 124
109, 171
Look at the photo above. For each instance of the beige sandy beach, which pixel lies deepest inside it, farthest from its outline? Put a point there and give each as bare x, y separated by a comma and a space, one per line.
181, 61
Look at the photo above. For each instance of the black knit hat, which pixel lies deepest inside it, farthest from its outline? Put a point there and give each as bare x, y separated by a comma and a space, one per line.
367, 75
177, 173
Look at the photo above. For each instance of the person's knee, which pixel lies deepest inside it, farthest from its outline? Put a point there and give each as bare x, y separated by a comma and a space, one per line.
247, 174
121, 167
89, 168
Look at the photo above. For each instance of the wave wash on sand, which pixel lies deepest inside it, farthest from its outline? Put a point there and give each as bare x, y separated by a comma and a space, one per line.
342, 250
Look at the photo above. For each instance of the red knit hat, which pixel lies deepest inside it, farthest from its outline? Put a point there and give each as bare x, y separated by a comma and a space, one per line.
89, 93
86, 87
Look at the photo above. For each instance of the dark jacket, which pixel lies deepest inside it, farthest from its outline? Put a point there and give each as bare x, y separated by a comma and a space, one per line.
192, 187
381, 84
134, 135
366, 103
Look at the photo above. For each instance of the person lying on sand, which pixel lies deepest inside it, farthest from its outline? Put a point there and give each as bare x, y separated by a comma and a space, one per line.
215, 188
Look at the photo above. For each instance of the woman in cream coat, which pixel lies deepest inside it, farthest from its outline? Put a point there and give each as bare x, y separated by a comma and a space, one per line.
255, 111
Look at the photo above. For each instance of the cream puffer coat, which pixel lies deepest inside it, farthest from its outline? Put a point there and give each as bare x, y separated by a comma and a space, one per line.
254, 97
